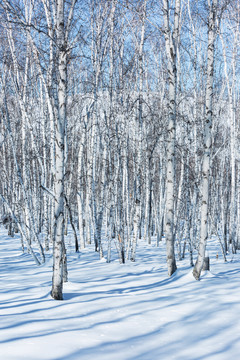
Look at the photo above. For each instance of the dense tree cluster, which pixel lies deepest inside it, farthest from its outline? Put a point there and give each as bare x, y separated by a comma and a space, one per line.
120, 118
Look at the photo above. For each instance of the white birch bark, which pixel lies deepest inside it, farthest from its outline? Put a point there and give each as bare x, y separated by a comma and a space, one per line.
80, 190
171, 39
59, 252
207, 139
57, 280
139, 138
147, 219
193, 201
177, 210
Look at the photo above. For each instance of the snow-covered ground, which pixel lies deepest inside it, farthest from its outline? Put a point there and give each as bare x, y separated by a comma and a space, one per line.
118, 312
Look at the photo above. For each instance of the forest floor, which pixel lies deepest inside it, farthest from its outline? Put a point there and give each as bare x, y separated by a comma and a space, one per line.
118, 312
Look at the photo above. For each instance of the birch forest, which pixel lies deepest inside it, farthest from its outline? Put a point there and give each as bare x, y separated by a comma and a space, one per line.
120, 120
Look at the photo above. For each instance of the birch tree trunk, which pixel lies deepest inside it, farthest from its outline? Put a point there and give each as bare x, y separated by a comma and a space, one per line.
80, 191
58, 246
59, 252
139, 138
171, 38
207, 139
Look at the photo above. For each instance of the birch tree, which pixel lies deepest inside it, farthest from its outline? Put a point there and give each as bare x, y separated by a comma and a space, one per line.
212, 10
63, 25
171, 39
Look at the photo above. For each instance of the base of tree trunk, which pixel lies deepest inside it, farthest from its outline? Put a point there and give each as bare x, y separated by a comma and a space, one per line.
206, 264
172, 269
196, 274
56, 296
206, 267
